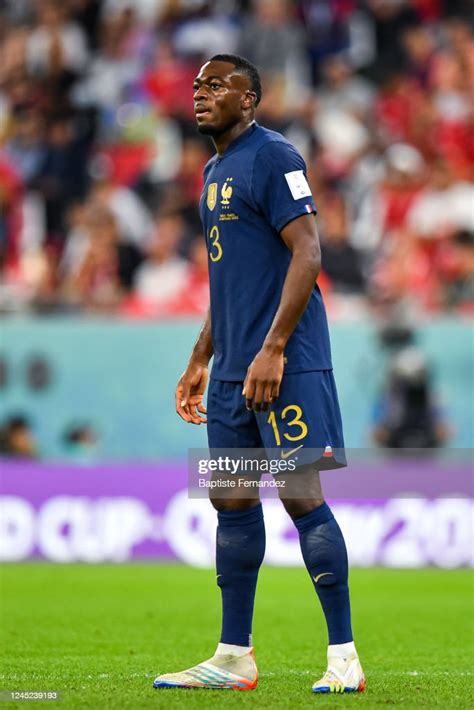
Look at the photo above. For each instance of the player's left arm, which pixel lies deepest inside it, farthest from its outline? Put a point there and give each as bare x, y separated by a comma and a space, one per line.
265, 373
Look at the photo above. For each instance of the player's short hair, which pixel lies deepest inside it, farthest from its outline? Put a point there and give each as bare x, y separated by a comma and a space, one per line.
245, 67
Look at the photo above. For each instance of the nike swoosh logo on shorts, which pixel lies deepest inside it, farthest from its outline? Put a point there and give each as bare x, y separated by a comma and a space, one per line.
285, 454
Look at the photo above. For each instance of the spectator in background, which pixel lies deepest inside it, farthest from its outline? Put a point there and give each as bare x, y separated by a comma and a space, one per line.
183, 192
26, 271
443, 206
342, 137
208, 32
188, 181
407, 415
80, 442
193, 298
450, 122
340, 261
13, 54
133, 218
419, 50
271, 27
342, 90
344, 102
77, 240
63, 177
327, 29
57, 47
458, 289
87, 14
167, 81
26, 146
402, 279
147, 10
18, 92
398, 108
111, 69
107, 269
385, 207
368, 171
449, 86
390, 18
160, 279
457, 34
11, 196
17, 439
26, 152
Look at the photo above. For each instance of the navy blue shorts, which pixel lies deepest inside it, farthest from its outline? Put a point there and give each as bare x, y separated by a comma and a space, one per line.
304, 423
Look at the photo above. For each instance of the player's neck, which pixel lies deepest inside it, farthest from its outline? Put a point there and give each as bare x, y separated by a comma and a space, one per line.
223, 141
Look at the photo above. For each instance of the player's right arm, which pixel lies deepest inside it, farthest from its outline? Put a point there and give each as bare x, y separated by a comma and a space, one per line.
192, 383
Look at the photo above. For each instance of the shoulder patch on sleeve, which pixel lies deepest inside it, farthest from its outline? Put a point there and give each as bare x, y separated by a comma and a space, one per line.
298, 184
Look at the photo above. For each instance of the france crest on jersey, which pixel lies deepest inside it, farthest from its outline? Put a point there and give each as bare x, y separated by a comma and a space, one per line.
250, 193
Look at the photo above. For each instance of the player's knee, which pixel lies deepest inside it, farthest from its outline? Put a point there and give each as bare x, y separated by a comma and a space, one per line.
297, 507
230, 504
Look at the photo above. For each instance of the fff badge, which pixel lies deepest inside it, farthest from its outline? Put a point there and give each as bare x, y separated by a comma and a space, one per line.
212, 195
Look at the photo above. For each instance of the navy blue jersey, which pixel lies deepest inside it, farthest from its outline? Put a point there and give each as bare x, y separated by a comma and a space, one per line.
250, 193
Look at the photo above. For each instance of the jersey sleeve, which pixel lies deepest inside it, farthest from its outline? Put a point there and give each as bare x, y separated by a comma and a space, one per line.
279, 184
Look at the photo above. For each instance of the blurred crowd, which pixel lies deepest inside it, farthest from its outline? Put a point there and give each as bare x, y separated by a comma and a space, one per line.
79, 442
101, 164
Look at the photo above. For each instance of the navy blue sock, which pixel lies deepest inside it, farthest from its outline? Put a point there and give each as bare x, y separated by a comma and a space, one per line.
239, 553
325, 557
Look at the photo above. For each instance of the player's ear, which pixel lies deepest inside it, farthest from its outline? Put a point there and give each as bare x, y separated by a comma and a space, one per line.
249, 99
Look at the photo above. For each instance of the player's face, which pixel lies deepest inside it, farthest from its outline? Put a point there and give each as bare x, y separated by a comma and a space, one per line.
221, 97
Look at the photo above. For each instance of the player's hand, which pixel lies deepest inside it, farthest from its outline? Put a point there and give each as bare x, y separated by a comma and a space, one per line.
190, 393
262, 384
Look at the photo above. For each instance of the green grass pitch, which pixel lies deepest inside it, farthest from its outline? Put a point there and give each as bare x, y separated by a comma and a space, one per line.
100, 634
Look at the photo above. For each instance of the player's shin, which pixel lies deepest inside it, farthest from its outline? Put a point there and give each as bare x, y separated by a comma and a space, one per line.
239, 553
325, 557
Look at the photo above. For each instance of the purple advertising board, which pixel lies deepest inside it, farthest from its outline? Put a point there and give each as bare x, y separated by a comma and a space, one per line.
402, 513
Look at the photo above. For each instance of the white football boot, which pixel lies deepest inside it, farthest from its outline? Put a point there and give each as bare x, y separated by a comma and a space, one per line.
344, 675
219, 672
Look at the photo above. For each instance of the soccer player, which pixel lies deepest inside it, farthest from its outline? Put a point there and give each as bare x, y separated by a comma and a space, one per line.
271, 383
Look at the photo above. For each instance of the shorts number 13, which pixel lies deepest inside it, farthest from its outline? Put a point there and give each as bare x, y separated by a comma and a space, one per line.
295, 422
